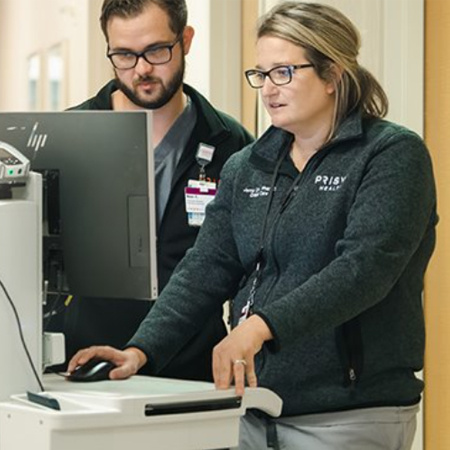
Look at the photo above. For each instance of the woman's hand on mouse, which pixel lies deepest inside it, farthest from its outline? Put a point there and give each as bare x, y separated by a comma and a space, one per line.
128, 361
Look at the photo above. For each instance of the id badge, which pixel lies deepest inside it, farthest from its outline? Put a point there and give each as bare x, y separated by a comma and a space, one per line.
197, 195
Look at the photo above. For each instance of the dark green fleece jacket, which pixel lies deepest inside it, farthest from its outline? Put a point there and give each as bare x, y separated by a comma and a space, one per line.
347, 244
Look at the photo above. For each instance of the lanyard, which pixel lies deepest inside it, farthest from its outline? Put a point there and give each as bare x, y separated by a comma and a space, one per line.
248, 308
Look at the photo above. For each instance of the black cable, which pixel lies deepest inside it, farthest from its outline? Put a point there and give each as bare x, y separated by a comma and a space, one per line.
19, 325
56, 372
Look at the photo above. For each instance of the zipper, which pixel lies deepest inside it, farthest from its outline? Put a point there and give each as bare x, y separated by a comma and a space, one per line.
350, 346
352, 375
288, 199
284, 204
292, 191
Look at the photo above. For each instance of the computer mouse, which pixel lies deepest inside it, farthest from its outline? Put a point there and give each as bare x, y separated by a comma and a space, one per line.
93, 370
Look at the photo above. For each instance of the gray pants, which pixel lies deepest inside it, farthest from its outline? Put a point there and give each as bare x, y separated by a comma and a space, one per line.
387, 428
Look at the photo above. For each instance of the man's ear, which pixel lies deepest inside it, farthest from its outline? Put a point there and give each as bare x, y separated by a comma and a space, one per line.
188, 35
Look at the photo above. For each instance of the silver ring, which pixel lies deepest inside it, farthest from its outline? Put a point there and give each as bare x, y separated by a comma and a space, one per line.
240, 361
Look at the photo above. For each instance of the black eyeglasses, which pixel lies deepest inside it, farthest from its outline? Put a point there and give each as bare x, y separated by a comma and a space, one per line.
279, 75
156, 55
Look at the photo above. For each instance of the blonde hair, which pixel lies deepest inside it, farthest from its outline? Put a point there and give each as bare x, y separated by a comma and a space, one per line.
331, 43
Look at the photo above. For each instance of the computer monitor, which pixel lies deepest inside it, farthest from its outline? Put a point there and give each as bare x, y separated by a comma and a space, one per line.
99, 203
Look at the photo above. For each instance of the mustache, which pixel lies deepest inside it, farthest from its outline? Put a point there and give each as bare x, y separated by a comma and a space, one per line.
145, 79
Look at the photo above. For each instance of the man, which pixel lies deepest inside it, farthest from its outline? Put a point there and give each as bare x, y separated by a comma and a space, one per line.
147, 43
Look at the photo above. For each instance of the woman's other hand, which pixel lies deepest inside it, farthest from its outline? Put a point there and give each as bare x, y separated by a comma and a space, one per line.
233, 357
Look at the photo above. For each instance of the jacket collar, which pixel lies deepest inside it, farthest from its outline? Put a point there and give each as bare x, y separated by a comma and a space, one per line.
273, 143
209, 124
103, 99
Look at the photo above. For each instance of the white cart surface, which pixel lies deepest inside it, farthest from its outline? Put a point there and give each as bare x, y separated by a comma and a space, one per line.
141, 412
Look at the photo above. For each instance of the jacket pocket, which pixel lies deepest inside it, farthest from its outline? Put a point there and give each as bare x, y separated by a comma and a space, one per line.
351, 351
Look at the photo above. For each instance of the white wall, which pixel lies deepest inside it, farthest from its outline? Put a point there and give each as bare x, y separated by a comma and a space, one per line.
12, 50
34, 27
198, 60
214, 65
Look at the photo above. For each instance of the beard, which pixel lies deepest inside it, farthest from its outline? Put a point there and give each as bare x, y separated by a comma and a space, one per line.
166, 93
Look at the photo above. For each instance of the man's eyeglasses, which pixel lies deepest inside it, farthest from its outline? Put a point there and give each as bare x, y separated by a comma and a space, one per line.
279, 75
156, 55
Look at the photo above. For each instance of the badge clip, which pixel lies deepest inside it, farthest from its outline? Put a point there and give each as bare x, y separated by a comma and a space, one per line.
205, 154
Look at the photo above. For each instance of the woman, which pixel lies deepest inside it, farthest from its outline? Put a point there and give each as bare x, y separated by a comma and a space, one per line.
321, 233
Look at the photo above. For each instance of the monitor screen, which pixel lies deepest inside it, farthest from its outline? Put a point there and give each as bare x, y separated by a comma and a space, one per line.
98, 203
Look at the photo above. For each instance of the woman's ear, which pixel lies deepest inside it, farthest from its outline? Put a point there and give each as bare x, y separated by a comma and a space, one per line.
335, 78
